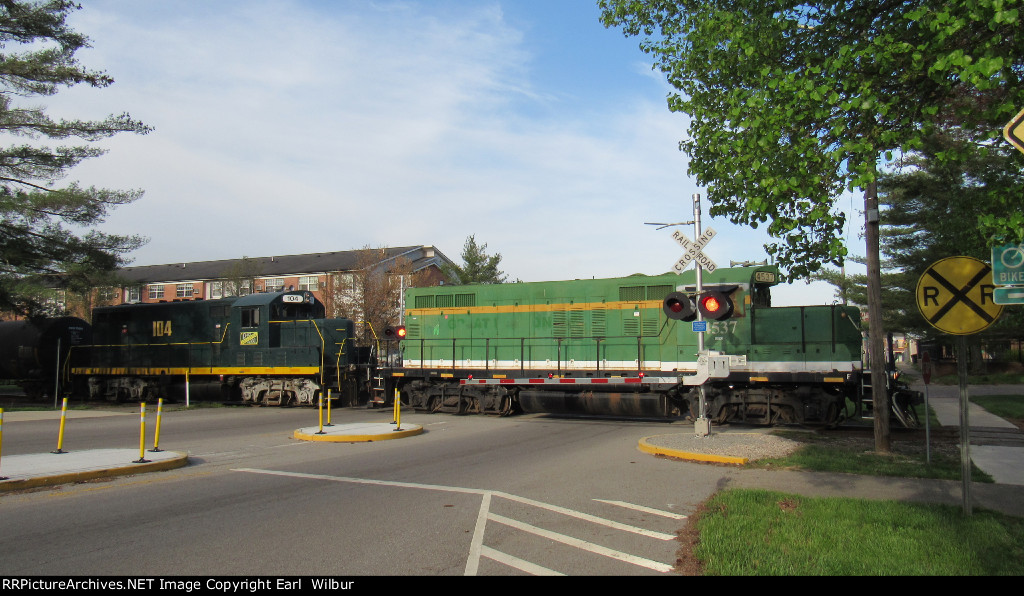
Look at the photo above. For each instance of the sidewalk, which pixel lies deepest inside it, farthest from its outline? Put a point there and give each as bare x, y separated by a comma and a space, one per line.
18, 472
1004, 464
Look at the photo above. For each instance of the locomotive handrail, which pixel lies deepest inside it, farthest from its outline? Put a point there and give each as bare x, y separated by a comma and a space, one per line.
557, 345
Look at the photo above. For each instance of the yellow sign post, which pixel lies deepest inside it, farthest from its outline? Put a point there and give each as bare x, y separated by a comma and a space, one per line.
956, 296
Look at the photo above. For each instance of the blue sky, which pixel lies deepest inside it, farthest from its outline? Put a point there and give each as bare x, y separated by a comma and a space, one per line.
299, 126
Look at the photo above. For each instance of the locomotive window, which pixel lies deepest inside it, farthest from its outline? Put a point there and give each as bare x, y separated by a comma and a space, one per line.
761, 296
251, 317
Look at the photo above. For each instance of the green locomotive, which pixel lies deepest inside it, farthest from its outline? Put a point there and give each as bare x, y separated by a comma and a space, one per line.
631, 346
272, 349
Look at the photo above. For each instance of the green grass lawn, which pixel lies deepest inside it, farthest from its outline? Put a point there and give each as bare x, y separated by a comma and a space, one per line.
757, 532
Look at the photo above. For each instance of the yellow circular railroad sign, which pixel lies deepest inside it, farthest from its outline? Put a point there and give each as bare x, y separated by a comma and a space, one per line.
955, 295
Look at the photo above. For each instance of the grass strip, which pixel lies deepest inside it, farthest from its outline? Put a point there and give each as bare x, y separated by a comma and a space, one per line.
759, 532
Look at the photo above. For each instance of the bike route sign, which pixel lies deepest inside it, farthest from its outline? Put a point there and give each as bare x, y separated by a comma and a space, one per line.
1008, 264
956, 295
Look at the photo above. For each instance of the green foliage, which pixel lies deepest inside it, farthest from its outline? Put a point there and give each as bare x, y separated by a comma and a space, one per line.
37, 246
792, 104
928, 206
477, 266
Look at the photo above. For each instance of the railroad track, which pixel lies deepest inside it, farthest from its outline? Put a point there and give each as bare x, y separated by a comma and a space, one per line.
991, 436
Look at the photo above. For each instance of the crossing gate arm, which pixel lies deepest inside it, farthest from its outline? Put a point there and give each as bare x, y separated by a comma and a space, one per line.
709, 366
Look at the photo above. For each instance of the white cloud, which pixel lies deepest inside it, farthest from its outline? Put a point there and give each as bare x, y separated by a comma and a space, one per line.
293, 127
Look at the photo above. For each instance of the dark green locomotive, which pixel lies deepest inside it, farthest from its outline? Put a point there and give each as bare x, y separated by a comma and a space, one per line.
631, 346
273, 349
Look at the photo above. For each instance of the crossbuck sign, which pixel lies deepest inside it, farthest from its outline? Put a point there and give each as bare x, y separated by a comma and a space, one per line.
694, 251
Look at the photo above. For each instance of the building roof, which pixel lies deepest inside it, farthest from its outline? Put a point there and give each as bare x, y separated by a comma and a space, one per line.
421, 257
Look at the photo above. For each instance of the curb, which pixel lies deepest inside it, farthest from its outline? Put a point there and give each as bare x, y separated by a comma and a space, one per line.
311, 434
647, 447
71, 477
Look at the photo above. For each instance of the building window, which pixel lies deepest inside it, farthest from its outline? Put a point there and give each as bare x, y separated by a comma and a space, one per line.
216, 289
57, 303
184, 290
274, 284
132, 294
310, 283
107, 294
156, 292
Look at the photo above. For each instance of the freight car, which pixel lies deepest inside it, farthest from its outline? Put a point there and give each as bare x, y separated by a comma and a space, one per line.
270, 349
631, 347
34, 351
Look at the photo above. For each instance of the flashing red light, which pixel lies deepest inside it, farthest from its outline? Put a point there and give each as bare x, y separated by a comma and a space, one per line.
711, 304
715, 305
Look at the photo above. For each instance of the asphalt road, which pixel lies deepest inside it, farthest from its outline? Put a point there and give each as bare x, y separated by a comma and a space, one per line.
529, 495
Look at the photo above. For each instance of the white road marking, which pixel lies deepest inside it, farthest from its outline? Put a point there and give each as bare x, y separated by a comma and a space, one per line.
581, 544
650, 510
477, 548
517, 563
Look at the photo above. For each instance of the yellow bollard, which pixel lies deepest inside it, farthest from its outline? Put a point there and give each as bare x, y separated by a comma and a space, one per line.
320, 408
2, 437
328, 408
159, 413
142, 436
60, 434
398, 410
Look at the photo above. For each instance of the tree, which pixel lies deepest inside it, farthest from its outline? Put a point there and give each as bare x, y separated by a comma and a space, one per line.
793, 104
240, 278
925, 203
371, 294
38, 246
477, 267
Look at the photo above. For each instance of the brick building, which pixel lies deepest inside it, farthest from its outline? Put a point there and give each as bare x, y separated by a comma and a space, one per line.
331, 276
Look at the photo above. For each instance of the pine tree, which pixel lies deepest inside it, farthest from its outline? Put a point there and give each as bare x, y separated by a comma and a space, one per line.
39, 249
477, 266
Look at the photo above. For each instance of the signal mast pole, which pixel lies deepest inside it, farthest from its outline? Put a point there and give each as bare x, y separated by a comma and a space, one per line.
700, 283
701, 426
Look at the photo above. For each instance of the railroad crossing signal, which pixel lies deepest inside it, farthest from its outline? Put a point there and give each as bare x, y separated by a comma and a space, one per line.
714, 305
694, 251
955, 295
394, 332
